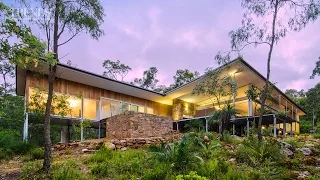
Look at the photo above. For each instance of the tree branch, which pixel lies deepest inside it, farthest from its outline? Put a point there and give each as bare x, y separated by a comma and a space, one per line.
74, 35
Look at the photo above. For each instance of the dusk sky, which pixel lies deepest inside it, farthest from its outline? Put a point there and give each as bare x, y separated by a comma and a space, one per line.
187, 34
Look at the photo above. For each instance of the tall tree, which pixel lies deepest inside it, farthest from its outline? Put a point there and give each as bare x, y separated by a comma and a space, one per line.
115, 69
66, 18
7, 73
262, 25
316, 70
149, 79
184, 76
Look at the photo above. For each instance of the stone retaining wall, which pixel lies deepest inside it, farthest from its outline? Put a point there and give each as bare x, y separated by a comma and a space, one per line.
136, 125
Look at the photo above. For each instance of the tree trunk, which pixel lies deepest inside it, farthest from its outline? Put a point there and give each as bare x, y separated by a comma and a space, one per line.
51, 78
266, 87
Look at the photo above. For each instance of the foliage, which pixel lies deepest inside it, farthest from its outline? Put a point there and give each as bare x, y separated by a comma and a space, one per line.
69, 170
191, 176
180, 155
149, 79
223, 116
115, 69
316, 70
195, 125
256, 153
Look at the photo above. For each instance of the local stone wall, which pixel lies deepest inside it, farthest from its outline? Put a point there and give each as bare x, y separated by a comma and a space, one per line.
138, 125
180, 108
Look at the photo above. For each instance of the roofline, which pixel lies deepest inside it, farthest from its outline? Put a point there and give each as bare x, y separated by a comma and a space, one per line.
220, 67
262, 77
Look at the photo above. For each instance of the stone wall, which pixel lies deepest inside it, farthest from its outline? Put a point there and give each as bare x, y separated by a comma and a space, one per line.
137, 125
180, 108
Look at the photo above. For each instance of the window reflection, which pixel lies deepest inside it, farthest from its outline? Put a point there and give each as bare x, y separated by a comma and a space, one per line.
90, 109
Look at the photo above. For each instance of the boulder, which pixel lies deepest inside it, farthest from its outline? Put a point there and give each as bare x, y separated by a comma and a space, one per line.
110, 146
305, 151
309, 145
286, 145
124, 149
303, 175
206, 139
287, 152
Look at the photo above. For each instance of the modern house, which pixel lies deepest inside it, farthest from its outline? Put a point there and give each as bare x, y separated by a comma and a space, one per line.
97, 98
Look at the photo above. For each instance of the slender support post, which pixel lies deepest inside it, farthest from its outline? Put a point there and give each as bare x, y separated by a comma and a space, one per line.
25, 127
99, 130
248, 127
233, 129
274, 126
177, 126
250, 107
81, 130
206, 125
284, 128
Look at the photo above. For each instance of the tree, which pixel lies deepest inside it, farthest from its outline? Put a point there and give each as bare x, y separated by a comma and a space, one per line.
115, 69
149, 79
65, 18
220, 89
183, 76
7, 73
316, 70
262, 25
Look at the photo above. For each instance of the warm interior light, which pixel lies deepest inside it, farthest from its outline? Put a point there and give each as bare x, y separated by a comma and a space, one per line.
73, 103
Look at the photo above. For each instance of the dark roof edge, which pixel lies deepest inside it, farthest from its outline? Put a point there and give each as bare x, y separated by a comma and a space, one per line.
262, 77
100, 76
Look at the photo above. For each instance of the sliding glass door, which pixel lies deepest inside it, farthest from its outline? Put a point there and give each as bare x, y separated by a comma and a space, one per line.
110, 108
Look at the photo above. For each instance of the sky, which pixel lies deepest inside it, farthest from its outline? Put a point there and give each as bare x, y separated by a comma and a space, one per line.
187, 34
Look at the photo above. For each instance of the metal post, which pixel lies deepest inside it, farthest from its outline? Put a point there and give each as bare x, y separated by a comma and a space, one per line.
250, 107
233, 129
25, 127
81, 130
274, 126
99, 130
206, 125
248, 127
177, 126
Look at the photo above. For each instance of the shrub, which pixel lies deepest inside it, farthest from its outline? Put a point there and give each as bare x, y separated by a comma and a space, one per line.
159, 172
255, 153
191, 176
37, 153
293, 142
69, 170
234, 174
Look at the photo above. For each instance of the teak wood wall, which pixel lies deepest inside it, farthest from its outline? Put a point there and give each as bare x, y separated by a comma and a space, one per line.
74, 88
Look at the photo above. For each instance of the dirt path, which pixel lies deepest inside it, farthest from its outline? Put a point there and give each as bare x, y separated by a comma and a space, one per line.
10, 170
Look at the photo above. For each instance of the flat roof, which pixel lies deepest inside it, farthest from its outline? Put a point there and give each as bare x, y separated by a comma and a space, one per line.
96, 80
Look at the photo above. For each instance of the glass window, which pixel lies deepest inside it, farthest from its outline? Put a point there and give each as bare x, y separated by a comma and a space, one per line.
124, 107
141, 109
134, 108
74, 105
109, 108
90, 109
149, 110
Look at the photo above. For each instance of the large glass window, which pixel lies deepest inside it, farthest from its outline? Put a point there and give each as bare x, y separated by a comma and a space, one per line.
109, 108
74, 105
90, 109
141, 109
124, 107
134, 108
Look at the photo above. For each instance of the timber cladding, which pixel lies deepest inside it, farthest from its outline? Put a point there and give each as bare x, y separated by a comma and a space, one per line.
73, 88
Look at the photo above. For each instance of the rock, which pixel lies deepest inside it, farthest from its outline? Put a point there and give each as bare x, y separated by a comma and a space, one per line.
84, 150
124, 149
236, 137
110, 146
305, 151
206, 139
286, 145
309, 145
303, 175
287, 152
232, 160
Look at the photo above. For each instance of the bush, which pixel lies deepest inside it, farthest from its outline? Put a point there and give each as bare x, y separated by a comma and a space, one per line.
37, 153
234, 174
191, 176
69, 170
159, 172
255, 153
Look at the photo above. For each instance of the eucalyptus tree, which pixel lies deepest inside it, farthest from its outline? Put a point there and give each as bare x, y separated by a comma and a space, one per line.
184, 76
115, 69
266, 22
66, 19
149, 79
316, 70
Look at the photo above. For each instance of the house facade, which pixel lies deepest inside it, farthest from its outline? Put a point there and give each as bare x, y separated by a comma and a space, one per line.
97, 98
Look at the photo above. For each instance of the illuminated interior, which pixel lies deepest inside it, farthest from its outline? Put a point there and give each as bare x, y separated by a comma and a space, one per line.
90, 109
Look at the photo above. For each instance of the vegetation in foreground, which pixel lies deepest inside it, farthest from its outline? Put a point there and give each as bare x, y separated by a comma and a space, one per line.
194, 157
